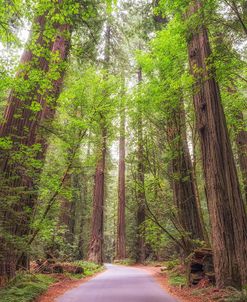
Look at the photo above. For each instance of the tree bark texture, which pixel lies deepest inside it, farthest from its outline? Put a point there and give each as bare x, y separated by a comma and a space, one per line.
95, 253
241, 142
141, 215
16, 123
79, 196
184, 188
21, 126
67, 212
226, 207
121, 240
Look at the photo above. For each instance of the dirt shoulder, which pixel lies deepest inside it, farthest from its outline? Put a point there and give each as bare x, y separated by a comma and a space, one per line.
181, 294
61, 286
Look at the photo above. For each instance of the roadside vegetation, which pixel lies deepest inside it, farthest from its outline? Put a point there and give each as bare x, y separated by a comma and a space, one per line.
27, 287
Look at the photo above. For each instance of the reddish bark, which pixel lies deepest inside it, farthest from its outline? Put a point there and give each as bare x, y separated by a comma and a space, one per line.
184, 188
66, 213
21, 125
141, 215
17, 122
226, 207
95, 253
121, 241
241, 142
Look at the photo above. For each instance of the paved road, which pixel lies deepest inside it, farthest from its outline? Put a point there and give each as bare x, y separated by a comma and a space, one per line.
118, 284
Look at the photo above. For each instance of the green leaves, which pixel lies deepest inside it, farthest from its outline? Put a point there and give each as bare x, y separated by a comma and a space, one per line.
5, 143
35, 106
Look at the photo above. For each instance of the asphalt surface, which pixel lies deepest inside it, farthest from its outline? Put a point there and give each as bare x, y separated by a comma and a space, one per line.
118, 284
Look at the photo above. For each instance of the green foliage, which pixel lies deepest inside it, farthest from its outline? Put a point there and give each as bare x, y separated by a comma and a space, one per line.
126, 261
177, 280
5, 143
25, 288
175, 272
90, 98
89, 94
237, 296
90, 268
171, 264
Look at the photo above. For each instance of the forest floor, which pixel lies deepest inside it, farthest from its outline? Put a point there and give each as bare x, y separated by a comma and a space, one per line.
183, 294
63, 284
47, 285
200, 293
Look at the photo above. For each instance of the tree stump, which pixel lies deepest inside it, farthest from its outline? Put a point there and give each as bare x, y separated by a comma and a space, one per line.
201, 267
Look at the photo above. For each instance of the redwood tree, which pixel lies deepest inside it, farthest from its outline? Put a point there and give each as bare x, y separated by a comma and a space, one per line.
23, 116
190, 221
95, 253
226, 207
241, 142
141, 215
121, 241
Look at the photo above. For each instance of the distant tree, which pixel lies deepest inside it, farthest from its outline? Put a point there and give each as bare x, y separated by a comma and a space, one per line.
121, 233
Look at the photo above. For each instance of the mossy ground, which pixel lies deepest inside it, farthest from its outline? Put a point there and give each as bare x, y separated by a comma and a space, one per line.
25, 287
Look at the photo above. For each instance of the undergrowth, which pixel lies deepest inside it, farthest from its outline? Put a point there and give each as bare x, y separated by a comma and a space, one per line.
237, 296
177, 279
126, 261
90, 268
176, 273
25, 287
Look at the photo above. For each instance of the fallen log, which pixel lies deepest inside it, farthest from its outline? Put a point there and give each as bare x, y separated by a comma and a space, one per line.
48, 267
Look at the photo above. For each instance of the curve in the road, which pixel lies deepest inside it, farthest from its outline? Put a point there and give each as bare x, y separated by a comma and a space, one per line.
118, 284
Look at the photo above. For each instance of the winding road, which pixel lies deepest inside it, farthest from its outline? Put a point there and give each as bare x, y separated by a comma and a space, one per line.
118, 284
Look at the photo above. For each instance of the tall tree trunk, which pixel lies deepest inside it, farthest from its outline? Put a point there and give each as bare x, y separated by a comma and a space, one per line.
67, 209
15, 127
95, 253
96, 243
21, 125
85, 200
226, 207
78, 184
241, 142
184, 188
83, 192
121, 241
141, 215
